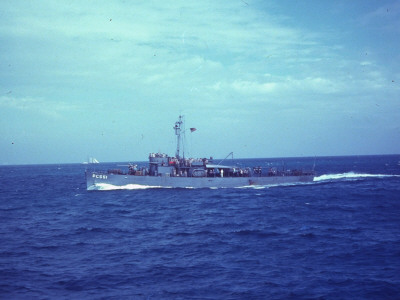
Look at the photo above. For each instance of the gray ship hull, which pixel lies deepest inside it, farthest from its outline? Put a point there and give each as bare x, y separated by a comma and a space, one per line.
95, 180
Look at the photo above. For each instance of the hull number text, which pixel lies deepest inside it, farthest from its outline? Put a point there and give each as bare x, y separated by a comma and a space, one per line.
99, 176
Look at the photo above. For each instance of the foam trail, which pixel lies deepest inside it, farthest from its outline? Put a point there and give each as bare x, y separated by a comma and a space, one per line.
351, 175
109, 187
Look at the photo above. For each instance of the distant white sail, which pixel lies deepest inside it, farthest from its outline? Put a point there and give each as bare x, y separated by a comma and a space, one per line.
91, 160
94, 161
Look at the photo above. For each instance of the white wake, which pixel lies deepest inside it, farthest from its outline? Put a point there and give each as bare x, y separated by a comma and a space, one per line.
351, 176
110, 187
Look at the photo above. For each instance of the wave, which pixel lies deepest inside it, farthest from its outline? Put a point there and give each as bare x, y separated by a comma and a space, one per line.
266, 186
324, 178
110, 187
351, 176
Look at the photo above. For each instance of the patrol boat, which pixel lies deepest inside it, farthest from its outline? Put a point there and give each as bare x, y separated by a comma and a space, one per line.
179, 172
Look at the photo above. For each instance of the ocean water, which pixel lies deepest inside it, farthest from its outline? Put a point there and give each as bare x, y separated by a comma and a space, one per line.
335, 238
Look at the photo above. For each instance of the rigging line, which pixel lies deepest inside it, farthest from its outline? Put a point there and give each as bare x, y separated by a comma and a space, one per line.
225, 158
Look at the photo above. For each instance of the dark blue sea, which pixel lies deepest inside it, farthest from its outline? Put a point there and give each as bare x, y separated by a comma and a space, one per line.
335, 238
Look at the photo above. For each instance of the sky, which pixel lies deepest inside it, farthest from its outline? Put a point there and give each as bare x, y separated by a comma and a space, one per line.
108, 79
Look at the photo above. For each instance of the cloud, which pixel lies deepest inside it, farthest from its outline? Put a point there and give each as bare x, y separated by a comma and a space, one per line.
248, 87
385, 17
132, 61
366, 63
175, 48
51, 109
277, 86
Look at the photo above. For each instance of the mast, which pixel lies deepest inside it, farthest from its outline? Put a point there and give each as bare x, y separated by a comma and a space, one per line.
177, 129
